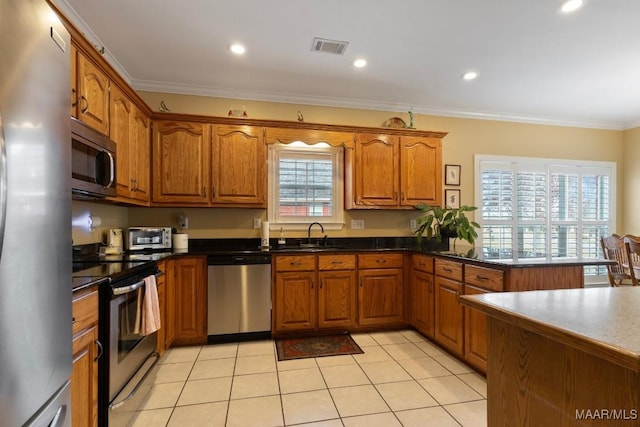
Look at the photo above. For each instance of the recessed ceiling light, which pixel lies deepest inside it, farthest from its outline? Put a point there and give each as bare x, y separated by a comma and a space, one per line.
469, 75
359, 63
571, 5
237, 48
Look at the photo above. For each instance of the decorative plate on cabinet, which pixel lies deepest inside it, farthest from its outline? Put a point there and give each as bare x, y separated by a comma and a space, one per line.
394, 122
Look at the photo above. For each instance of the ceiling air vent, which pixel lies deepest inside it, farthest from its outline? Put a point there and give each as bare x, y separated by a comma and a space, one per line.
329, 46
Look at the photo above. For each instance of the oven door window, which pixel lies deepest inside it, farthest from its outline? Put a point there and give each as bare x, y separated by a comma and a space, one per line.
129, 320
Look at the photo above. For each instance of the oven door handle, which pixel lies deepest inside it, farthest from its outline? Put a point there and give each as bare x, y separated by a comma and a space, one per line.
116, 405
127, 289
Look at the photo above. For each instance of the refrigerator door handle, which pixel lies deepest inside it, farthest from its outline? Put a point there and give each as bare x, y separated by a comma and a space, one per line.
3, 184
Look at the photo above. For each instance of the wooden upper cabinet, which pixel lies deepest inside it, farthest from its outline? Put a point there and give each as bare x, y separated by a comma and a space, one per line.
420, 171
238, 172
140, 155
393, 172
92, 105
181, 163
375, 172
121, 109
130, 128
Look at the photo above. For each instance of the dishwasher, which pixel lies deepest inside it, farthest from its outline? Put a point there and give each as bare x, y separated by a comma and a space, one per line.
239, 297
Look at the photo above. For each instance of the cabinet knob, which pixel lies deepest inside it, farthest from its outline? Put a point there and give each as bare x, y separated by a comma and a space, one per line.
74, 97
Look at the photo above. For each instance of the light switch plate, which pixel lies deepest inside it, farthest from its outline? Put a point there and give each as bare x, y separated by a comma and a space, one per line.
357, 224
257, 222
413, 224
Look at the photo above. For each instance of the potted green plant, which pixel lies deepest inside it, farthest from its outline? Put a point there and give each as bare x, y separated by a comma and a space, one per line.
439, 222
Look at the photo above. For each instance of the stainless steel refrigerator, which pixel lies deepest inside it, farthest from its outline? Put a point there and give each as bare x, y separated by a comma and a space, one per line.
35, 216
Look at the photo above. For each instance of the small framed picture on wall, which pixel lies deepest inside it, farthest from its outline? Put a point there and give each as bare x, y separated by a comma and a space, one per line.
452, 174
452, 198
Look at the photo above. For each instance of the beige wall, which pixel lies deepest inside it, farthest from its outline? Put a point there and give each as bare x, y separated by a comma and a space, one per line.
111, 216
465, 138
631, 205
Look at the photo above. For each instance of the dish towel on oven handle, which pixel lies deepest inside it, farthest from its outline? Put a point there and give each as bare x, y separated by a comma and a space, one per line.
150, 307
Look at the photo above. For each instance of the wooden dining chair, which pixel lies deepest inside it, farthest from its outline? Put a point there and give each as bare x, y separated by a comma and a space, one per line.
632, 248
613, 248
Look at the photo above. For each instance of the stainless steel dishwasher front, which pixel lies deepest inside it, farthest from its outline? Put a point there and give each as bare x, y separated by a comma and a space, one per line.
239, 296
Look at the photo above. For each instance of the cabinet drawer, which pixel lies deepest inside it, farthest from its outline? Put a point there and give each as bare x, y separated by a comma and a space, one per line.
85, 311
423, 263
295, 263
380, 261
336, 262
449, 269
486, 278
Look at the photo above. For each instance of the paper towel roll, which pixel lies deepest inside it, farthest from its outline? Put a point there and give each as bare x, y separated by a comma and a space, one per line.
180, 242
264, 241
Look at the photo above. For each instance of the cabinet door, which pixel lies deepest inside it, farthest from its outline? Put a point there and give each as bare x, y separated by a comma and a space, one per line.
239, 173
181, 163
380, 296
120, 132
162, 304
449, 315
420, 171
84, 379
475, 331
140, 154
336, 298
375, 174
170, 302
295, 301
422, 300
191, 300
93, 99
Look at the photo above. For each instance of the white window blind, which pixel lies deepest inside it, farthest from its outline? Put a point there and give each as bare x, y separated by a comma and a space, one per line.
305, 185
561, 208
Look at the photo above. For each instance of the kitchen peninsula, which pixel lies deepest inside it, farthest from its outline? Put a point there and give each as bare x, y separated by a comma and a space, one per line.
566, 357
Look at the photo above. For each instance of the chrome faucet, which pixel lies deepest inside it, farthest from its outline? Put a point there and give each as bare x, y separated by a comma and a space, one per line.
309, 231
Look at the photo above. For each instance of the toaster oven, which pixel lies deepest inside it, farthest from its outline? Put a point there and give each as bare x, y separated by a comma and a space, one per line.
139, 238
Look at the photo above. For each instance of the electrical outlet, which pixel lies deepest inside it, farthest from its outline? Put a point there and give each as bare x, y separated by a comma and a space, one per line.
257, 222
357, 224
184, 222
413, 224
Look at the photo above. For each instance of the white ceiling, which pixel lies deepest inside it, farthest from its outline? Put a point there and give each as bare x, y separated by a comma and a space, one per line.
534, 63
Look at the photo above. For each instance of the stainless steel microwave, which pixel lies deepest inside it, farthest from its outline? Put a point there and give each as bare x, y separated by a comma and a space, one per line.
139, 238
93, 163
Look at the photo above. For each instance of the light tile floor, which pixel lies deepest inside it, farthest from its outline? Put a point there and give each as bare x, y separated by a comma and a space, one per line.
402, 379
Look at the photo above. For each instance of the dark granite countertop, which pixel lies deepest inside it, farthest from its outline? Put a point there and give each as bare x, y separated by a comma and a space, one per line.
214, 247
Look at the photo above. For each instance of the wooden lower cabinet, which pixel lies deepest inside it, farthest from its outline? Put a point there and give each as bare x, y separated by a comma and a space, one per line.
423, 302
190, 300
161, 281
314, 292
380, 289
475, 332
170, 302
86, 352
295, 300
336, 298
448, 315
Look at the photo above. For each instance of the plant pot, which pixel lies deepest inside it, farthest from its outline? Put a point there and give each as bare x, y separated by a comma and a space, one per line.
449, 232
